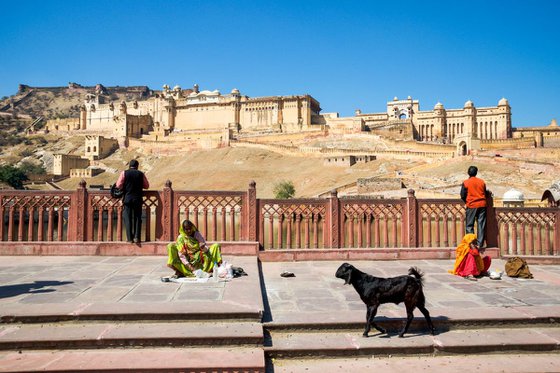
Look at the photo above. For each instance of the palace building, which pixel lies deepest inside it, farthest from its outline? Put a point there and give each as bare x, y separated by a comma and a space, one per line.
441, 124
178, 110
208, 119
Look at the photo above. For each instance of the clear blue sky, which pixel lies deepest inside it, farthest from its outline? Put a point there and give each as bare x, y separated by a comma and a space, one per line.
347, 54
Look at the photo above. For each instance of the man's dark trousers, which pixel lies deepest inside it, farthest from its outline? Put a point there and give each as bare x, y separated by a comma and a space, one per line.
132, 215
479, 214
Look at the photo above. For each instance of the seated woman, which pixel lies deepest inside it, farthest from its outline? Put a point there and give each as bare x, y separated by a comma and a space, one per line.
468, 261
190, 252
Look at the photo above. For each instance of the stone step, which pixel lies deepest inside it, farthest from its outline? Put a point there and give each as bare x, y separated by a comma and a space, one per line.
443, 319
56, 312
351, 343
71, 335
169, 360
518, 362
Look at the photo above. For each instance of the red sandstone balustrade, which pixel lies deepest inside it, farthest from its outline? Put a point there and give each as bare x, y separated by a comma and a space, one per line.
35, 216
441, 222
290, 223
319, 223
529, 231
371, 223
218, 215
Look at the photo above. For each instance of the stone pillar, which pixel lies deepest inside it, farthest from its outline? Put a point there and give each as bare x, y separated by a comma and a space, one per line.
557, 233
333, 220
168, 213
171, 114
83, 117
250, 230
77, 225
492, 229
411, 216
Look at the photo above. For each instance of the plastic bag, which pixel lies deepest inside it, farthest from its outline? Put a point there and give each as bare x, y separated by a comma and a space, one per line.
225, 271
199, 273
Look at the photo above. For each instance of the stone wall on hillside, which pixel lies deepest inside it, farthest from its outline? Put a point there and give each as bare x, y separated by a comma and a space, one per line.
514, 143
376, 184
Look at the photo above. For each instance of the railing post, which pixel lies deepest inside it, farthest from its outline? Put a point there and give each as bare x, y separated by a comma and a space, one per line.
251, 225
167, 212
412, 219
79, 213
492, 230
556, 248
333, 213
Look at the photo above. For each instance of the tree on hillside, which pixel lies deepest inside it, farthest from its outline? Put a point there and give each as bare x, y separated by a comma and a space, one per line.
29, 168
12, 175
284, 190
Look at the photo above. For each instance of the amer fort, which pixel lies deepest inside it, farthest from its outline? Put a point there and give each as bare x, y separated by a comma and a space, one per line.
160, 122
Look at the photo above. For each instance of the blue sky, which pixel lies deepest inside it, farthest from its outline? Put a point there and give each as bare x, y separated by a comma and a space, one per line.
347, 54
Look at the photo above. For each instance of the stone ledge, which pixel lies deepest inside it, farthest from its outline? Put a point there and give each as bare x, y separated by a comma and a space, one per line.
112, 248
294, 255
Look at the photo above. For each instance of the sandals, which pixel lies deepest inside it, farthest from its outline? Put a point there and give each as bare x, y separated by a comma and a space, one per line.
470, 278
287, 274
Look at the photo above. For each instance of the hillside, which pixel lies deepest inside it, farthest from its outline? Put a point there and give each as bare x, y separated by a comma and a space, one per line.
234, 168
64, 102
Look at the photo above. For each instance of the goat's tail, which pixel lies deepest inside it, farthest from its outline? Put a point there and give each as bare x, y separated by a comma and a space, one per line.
416, 272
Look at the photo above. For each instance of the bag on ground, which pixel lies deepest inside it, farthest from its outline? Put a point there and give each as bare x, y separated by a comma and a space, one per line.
518, 267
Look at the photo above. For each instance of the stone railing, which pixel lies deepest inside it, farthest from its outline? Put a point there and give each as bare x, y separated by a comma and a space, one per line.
334, 222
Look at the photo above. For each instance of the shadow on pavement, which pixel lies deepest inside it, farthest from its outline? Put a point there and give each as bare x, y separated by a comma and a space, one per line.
36, 287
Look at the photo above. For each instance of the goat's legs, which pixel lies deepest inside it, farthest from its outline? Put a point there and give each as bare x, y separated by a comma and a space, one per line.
409, 317
428, 319
371, 312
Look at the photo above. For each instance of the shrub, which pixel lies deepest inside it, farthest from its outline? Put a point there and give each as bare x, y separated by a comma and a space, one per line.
284, 190
13, 176
26, 152
29, 168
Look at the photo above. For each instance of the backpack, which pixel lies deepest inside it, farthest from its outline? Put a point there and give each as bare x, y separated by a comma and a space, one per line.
116, 192
518, 267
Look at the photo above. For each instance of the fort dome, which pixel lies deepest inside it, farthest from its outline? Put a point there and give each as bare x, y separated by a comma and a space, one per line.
553, 123
469, 103
235, 91
503, 101
513, 195
439, 105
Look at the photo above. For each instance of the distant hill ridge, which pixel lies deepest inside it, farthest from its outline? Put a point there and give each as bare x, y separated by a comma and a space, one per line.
64, 102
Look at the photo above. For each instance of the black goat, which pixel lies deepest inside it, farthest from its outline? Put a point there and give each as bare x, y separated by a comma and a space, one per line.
375, 291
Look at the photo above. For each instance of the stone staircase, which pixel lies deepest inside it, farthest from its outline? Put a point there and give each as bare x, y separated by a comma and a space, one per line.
166, 342
326, 347
119, 342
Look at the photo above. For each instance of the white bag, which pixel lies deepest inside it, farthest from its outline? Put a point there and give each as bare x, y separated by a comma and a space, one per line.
199, 273
225, 271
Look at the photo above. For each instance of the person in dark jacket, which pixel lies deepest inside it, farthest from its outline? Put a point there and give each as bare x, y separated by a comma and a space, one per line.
473, 193
132, 182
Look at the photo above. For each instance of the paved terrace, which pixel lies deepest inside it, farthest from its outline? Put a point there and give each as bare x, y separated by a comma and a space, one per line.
84, 281
97, 285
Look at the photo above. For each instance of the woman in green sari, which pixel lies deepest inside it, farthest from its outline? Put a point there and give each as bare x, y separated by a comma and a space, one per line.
190, 252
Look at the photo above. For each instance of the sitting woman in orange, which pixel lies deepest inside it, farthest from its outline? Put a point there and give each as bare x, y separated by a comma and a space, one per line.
468, 261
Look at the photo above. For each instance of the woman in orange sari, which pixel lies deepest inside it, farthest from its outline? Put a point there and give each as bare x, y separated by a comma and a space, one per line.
468, 261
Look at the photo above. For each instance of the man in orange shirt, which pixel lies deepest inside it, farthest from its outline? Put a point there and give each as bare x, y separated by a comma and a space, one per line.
473, 193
